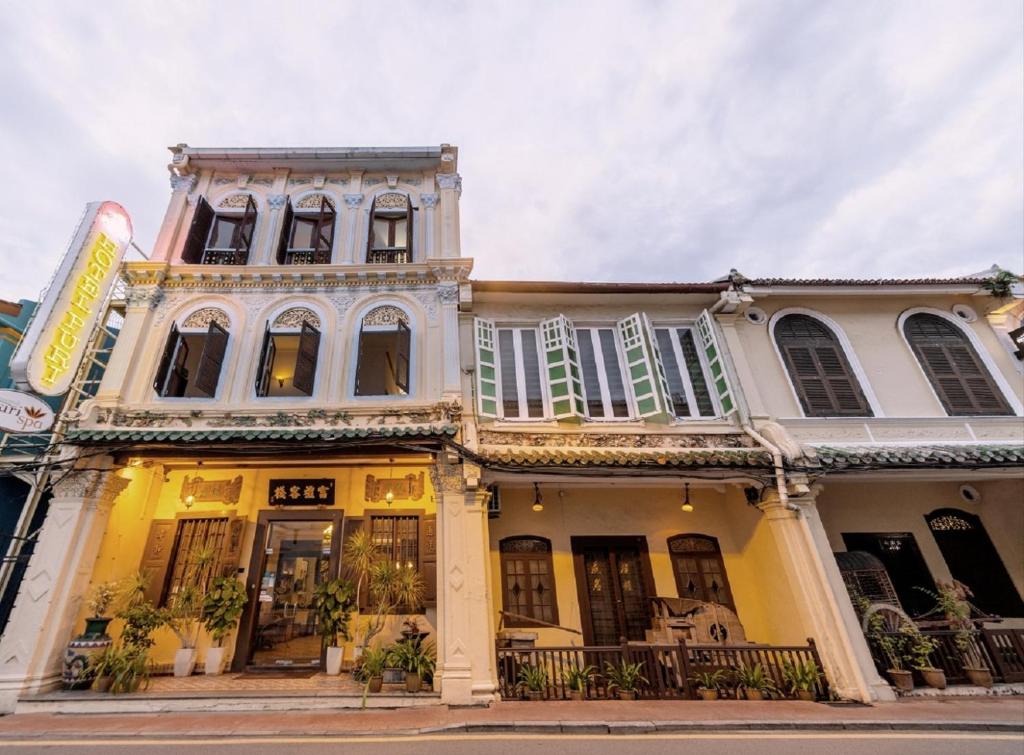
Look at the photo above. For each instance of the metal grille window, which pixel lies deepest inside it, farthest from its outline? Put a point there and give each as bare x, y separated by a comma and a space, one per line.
699, 569
193, 538
397, 538
685, 373
528, 581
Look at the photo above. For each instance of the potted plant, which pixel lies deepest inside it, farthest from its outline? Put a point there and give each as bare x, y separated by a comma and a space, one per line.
185, 605
77, 673
371, 668
334, 601
920, 648
131, 671
533, 682
416, 659
892, 646
708, 683
222, 606
577, 680
952, 599
801, 678
625, 678
753, 681
104, 666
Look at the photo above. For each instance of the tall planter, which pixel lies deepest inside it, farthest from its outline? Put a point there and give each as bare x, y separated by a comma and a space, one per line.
76, 672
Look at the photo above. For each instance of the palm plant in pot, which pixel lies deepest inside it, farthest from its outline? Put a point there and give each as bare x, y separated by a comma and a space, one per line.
222, 606
709, 683
185, 604
334, 601
533, 681
625, 679
754, 681
577, 679
802, 678
416, 659
372, 663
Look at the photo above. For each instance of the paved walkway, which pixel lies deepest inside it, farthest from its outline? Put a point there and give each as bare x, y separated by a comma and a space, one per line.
1000, 714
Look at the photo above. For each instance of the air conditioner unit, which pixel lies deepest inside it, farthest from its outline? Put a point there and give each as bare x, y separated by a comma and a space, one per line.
494, 504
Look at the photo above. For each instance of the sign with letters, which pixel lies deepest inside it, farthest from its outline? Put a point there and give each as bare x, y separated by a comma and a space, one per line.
49, 355
24, 413
302, 492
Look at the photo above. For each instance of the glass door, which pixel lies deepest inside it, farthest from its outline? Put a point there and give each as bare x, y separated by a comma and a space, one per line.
298, 554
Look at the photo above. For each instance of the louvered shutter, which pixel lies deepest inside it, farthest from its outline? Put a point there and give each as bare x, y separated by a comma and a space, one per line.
286, 232
562, 367
403, 346
644, 368
714, 356
156, 557
428, 558
306, 359
960, 379
266, 363
408, 229
195, 242
211, 360
160, 382
245, 233
486, 368
231, 547
324, 236
369, 235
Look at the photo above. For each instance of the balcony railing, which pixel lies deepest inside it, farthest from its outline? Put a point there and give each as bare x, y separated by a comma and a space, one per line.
307, 257
668, 669
225, 257
1001, 651
391, 255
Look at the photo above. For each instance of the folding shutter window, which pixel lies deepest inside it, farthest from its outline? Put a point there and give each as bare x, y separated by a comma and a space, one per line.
509, 384
195, 243
561, 361
676, 381
266, 363
644, 368
306, 359
212, 359
162, 370
323, 238
403, 344
716, 363
245, 233
286, 233
486, 368
695, 369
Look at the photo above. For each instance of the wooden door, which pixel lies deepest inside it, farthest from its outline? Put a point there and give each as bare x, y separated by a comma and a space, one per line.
613, 579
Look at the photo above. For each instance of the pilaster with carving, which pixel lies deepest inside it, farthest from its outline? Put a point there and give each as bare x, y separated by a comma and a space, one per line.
352, 204
450, 189
429, 201
448, 293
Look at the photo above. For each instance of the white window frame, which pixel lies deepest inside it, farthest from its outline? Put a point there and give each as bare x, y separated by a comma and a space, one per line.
677, 350
602, 376
520, 367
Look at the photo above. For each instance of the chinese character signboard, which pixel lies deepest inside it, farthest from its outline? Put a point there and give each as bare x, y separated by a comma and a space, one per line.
304, 492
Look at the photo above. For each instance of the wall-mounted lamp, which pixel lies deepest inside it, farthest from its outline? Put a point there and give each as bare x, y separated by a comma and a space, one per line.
687, 506
189, 500
538, 501
389, 496
280, 381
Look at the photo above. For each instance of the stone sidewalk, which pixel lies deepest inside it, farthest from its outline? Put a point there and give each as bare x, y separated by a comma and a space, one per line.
591, 717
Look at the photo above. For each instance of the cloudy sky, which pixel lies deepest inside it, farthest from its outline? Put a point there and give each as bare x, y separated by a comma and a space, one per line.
598, 140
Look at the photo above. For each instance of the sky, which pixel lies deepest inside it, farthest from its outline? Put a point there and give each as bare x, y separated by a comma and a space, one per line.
635, 141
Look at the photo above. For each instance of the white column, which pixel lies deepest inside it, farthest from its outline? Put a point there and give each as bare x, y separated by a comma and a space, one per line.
181, 187
448, 292
266, 251
821, 598
352, 202
450, 185
465, 645
429, 242
134, 332
42, 622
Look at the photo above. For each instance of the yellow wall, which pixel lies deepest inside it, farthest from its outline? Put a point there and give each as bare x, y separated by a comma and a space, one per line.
763, 597
149, 497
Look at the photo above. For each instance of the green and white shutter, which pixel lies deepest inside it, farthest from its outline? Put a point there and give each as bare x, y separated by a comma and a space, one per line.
645, 369
486, 368
707, 334
562, 367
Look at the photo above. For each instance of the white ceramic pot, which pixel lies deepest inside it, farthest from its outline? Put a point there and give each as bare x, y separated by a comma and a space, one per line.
214, 661
335, 656
184, 661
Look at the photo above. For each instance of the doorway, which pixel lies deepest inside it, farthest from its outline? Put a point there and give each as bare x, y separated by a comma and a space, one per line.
293, 552
614, 582
904, 563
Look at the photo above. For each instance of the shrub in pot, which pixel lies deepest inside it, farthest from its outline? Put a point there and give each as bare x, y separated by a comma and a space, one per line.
222, 606
952, 599
920, 648
625, 679
577, 679
104, 665
533, 682
131, 671
708, 683
802, 678
185, 605
416, 659
892, 646
371, 669
754, 682
334, 601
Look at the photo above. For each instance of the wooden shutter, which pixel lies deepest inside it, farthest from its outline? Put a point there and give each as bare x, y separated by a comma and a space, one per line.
231, 550
403, 343
156, 557
486, 368
715, 357
195, 242
212, 359
408, 229
306, 359
266, 363
562, 368
359, 361
160, 382
644, 368
956, 372
322, 243
369, 236
428, 558
818, 369
286, 232
245, 233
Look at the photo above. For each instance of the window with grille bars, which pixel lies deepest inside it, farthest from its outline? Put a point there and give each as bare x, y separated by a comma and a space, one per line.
397, 538
528, 581
956, 372
818, 369
194, 536
699, 569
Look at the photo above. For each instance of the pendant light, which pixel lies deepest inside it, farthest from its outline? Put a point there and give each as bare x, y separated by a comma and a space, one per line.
687, 506
538, 501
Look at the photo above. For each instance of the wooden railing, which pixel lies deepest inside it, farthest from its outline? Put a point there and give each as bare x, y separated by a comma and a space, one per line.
999, 650
668, 669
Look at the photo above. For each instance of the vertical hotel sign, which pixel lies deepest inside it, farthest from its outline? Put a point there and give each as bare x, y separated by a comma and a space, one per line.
48, 357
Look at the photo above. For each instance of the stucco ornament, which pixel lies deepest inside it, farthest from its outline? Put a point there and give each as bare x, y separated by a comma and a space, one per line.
354, 200
429, 301
277, 201
312, 202
385, 315
294, 317
429, 200
202, 318
144, 296
614, 440
447, 478
448, 293
391, 200
183, 184
450, 181
234, 202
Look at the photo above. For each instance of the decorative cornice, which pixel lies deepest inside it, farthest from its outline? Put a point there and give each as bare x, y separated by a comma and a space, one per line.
615, 440
144, 296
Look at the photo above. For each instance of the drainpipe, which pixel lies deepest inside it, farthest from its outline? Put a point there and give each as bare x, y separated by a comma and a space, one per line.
780, 475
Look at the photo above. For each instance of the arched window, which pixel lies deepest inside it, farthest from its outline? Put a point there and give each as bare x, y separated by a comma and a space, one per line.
307, 232
528, 581
385, 341
288, 358
973, 560
193, 355
699, 569
818, 369
390, 238
956, 372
